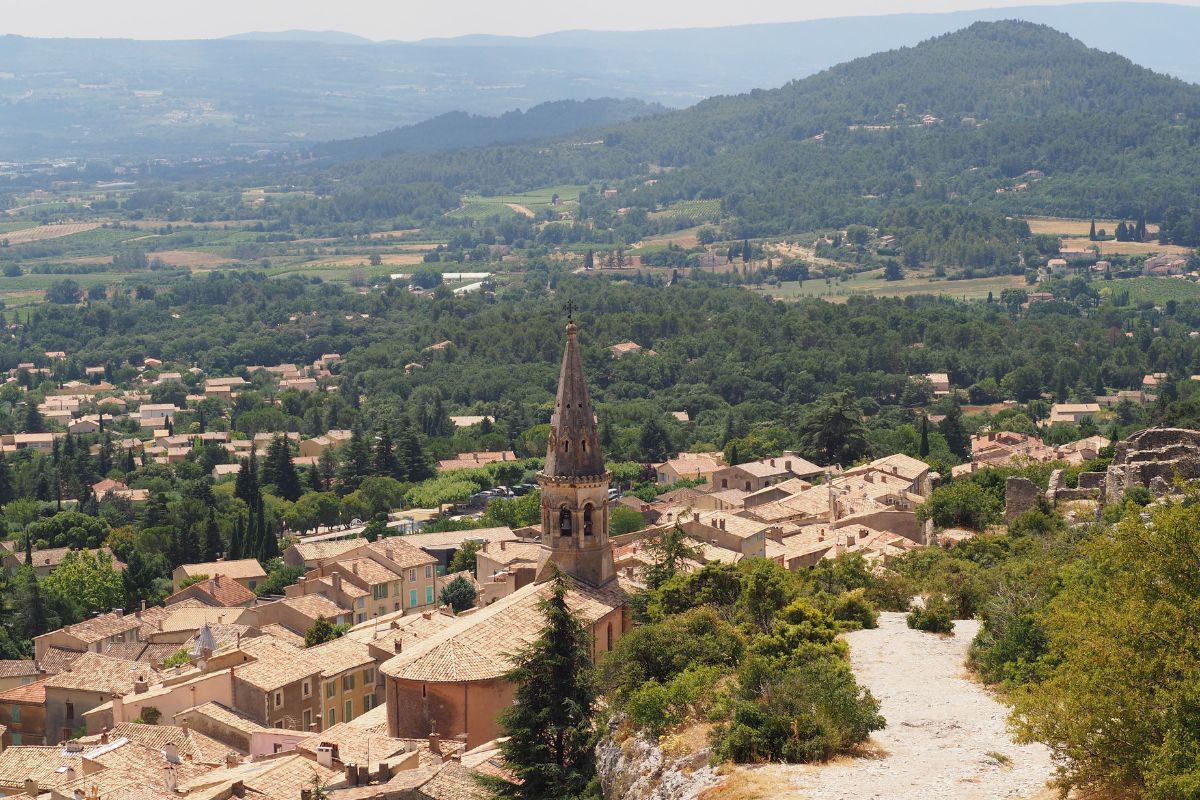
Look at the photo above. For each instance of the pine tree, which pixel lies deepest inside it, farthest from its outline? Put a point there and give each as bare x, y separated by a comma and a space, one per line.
245, 488
356, 461
734, 458
550, 747
589, 260
326, 468
279, 471
212, 537
923, 450
33, 419
268, 543
383, 460
412, 456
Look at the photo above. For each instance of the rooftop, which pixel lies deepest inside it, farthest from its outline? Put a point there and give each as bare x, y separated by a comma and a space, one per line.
94, 672
243, 568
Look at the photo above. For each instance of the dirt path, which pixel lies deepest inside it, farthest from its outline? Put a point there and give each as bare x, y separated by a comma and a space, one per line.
942, 734
520, 209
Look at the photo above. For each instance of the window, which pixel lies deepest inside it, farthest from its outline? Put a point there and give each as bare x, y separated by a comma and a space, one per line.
360, 602
429, 570
382, 610
428, 594
564, 521
14, 713
412, 575
347, 683
16, 739
587, 520
308, 719
349, 711
306, 691
70, 711
412, 598
396, 605
368, 702
331, 715
252, 585
368, 677
724, 483
278, 723
361, 617
379, 591
278, 699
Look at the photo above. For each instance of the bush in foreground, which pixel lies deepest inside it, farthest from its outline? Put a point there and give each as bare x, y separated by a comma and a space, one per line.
935, 617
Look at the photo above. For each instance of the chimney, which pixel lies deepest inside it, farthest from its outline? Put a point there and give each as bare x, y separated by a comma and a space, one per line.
325, 756
772, 462
140, 685
217, 580
382, 773
238, 789
397, 645
388, 552
502, 545
31, 787
788, 465
427, 614
337, 581
364, 775
68, 774
118, 612
456, 755
170, 752
143, 606
104, 736
354, 567
351, 775
435, 743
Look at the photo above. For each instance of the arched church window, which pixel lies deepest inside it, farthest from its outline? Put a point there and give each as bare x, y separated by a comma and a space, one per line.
587, 520
564, 521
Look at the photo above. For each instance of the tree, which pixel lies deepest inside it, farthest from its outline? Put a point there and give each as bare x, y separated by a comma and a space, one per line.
319, 632
550, 748
954, 432
464, 557
237, 541
923, 448
86, 583
1013, 300
246, 486
833, 431
892, 271
667, 554
33, 419
64, 292
654, 442
414, 462
280, 472
960, 504
212, 537
459, 594
383, 460
356, 461
625, 520
1092, 233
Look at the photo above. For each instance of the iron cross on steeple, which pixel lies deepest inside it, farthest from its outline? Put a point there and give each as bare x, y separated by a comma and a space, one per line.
570, 308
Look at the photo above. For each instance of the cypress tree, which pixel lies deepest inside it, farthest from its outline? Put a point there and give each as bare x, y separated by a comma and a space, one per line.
268, 544
28, 549
237, 540
746, 251
551, 744
923, 450
1092, 234
246, 486
6, 487
955, 434
212, 537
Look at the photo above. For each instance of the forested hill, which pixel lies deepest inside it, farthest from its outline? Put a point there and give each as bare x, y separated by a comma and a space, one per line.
843, 146
458, 129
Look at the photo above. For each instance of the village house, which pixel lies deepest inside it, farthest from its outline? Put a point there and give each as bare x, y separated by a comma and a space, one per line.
46, 561
91, 681
745, 538
475, 460
218, 591
1164, 265
280, 688
298, 611
629, 348
692, 466
23, 714
332, 439
247, 571
755, 475
940, 382
1073, 412
349, 679
16, 672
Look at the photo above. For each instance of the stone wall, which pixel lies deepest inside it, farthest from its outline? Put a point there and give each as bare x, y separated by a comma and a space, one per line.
1153, 459
1021, 495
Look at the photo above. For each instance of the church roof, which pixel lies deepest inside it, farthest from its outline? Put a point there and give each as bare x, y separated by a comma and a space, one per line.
573, 450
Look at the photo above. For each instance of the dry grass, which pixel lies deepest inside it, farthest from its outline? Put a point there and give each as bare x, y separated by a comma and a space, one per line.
155, 224
741, 784
397, 234
43, 232
388, 259
192, 259
1070, 227
1138, 248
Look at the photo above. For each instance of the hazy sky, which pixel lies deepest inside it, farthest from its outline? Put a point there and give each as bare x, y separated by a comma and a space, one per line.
417, 19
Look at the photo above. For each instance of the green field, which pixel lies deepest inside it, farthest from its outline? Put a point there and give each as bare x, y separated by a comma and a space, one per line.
698, 210
1154, 290
478, 207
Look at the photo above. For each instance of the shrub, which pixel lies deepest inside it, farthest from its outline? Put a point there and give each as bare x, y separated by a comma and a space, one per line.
890, 591
657, 707
855, 611
660, 651
934, 617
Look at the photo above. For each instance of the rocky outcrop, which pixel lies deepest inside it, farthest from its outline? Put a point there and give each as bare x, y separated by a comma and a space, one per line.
636, 768
1153, 459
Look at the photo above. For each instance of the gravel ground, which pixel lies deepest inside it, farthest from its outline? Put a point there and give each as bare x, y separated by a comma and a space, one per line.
941, 727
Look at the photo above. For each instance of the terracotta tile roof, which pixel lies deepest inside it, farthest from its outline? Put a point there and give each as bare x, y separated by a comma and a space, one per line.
455, 538
139, 763
17, 667
513, 553
152, 618
94, 672
40, 763
319, 551
34, 693
353, 744
223, 715
58, 659
403, 554
315, 605
454, 782
373, 721
202, 749
284, 778
370, 570
275, 665
476, 646
102, 627
243, 568
53, 556
192, 619
340, 655
283, 633
218, 592
348, 588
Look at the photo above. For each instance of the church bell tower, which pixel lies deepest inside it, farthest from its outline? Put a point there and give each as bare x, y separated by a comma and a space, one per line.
574, 482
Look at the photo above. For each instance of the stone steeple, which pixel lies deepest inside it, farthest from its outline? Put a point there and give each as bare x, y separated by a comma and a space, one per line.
574, 482
573, 449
